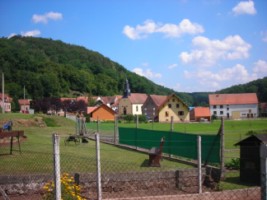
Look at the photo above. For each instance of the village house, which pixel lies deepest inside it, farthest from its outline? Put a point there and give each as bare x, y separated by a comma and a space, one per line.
131, 103
200, 114
7, 102
102, 113
110, 101
151, 106
173, 108
24, 105
234, 106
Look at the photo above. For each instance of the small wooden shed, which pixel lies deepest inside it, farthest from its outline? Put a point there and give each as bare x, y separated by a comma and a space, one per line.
250, 171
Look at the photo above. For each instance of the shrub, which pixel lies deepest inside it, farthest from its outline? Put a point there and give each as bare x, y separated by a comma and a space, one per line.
233, 164
69, 190
129, 118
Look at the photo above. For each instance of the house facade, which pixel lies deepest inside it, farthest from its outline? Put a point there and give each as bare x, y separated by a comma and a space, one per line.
234, 106
7, 102
151, 106
24, 105
173, 108
132, 104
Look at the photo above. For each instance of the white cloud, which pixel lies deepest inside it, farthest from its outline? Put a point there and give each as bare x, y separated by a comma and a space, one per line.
172, 66
46, 17
207, 52
237, 74
169, 30
33, 33
245, 7
260, 68
146, 73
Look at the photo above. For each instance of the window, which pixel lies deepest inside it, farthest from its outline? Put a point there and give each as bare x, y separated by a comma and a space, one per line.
214, 106
221, 112
181, 113
166, 114
136, 108
227, 108
170, 105
221, 106
173, 100
215, 112
177, 105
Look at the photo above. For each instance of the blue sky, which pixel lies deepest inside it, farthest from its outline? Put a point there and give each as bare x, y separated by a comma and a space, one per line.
186, 45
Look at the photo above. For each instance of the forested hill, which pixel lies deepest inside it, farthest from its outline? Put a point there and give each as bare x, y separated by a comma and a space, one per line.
49, 68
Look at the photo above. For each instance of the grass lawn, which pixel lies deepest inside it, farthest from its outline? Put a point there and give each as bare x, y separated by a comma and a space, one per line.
37, 150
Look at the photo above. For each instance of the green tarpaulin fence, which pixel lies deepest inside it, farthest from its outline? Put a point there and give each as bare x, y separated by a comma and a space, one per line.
179, 144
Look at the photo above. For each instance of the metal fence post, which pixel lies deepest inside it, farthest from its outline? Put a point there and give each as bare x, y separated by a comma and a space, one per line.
56, 166
263, 155
199, 157
99, 189
222, 149
115, 129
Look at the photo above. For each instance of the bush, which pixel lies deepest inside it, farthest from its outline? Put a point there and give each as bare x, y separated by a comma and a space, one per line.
233, 164
128, 118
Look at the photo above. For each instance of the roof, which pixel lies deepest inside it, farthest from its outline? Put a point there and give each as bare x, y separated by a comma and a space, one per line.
6, 97
158, 99
169, 97
91, 109
137, 98
24, 101
259, 137
95, 108
202, 111
233, 99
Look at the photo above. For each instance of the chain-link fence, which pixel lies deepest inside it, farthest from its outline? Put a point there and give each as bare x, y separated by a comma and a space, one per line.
125, 170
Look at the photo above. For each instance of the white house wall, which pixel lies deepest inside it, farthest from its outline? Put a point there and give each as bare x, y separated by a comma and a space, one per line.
137, 109
228, 110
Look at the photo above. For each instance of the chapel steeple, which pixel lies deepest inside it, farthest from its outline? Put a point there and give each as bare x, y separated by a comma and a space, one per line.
127, 91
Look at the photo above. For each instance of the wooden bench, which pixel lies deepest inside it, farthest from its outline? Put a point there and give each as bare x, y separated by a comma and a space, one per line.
11, 135
155, 155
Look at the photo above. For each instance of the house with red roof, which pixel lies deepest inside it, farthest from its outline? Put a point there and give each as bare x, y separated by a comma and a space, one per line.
200, 114
173, 108
234, 106
102, 113
132, 104
110, 101
7, 102
151, 106
24, 105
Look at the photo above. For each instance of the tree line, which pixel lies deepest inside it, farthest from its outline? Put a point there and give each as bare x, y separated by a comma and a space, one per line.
49, 68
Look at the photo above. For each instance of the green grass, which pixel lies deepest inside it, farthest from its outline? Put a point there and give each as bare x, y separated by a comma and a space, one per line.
37, 151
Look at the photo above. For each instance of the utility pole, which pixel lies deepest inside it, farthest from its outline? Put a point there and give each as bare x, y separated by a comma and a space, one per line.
3, 93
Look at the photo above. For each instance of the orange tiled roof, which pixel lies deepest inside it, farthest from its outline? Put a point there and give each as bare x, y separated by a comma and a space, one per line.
137, 98
230, 99
202, 111
24, 101
158, 99
91, 109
